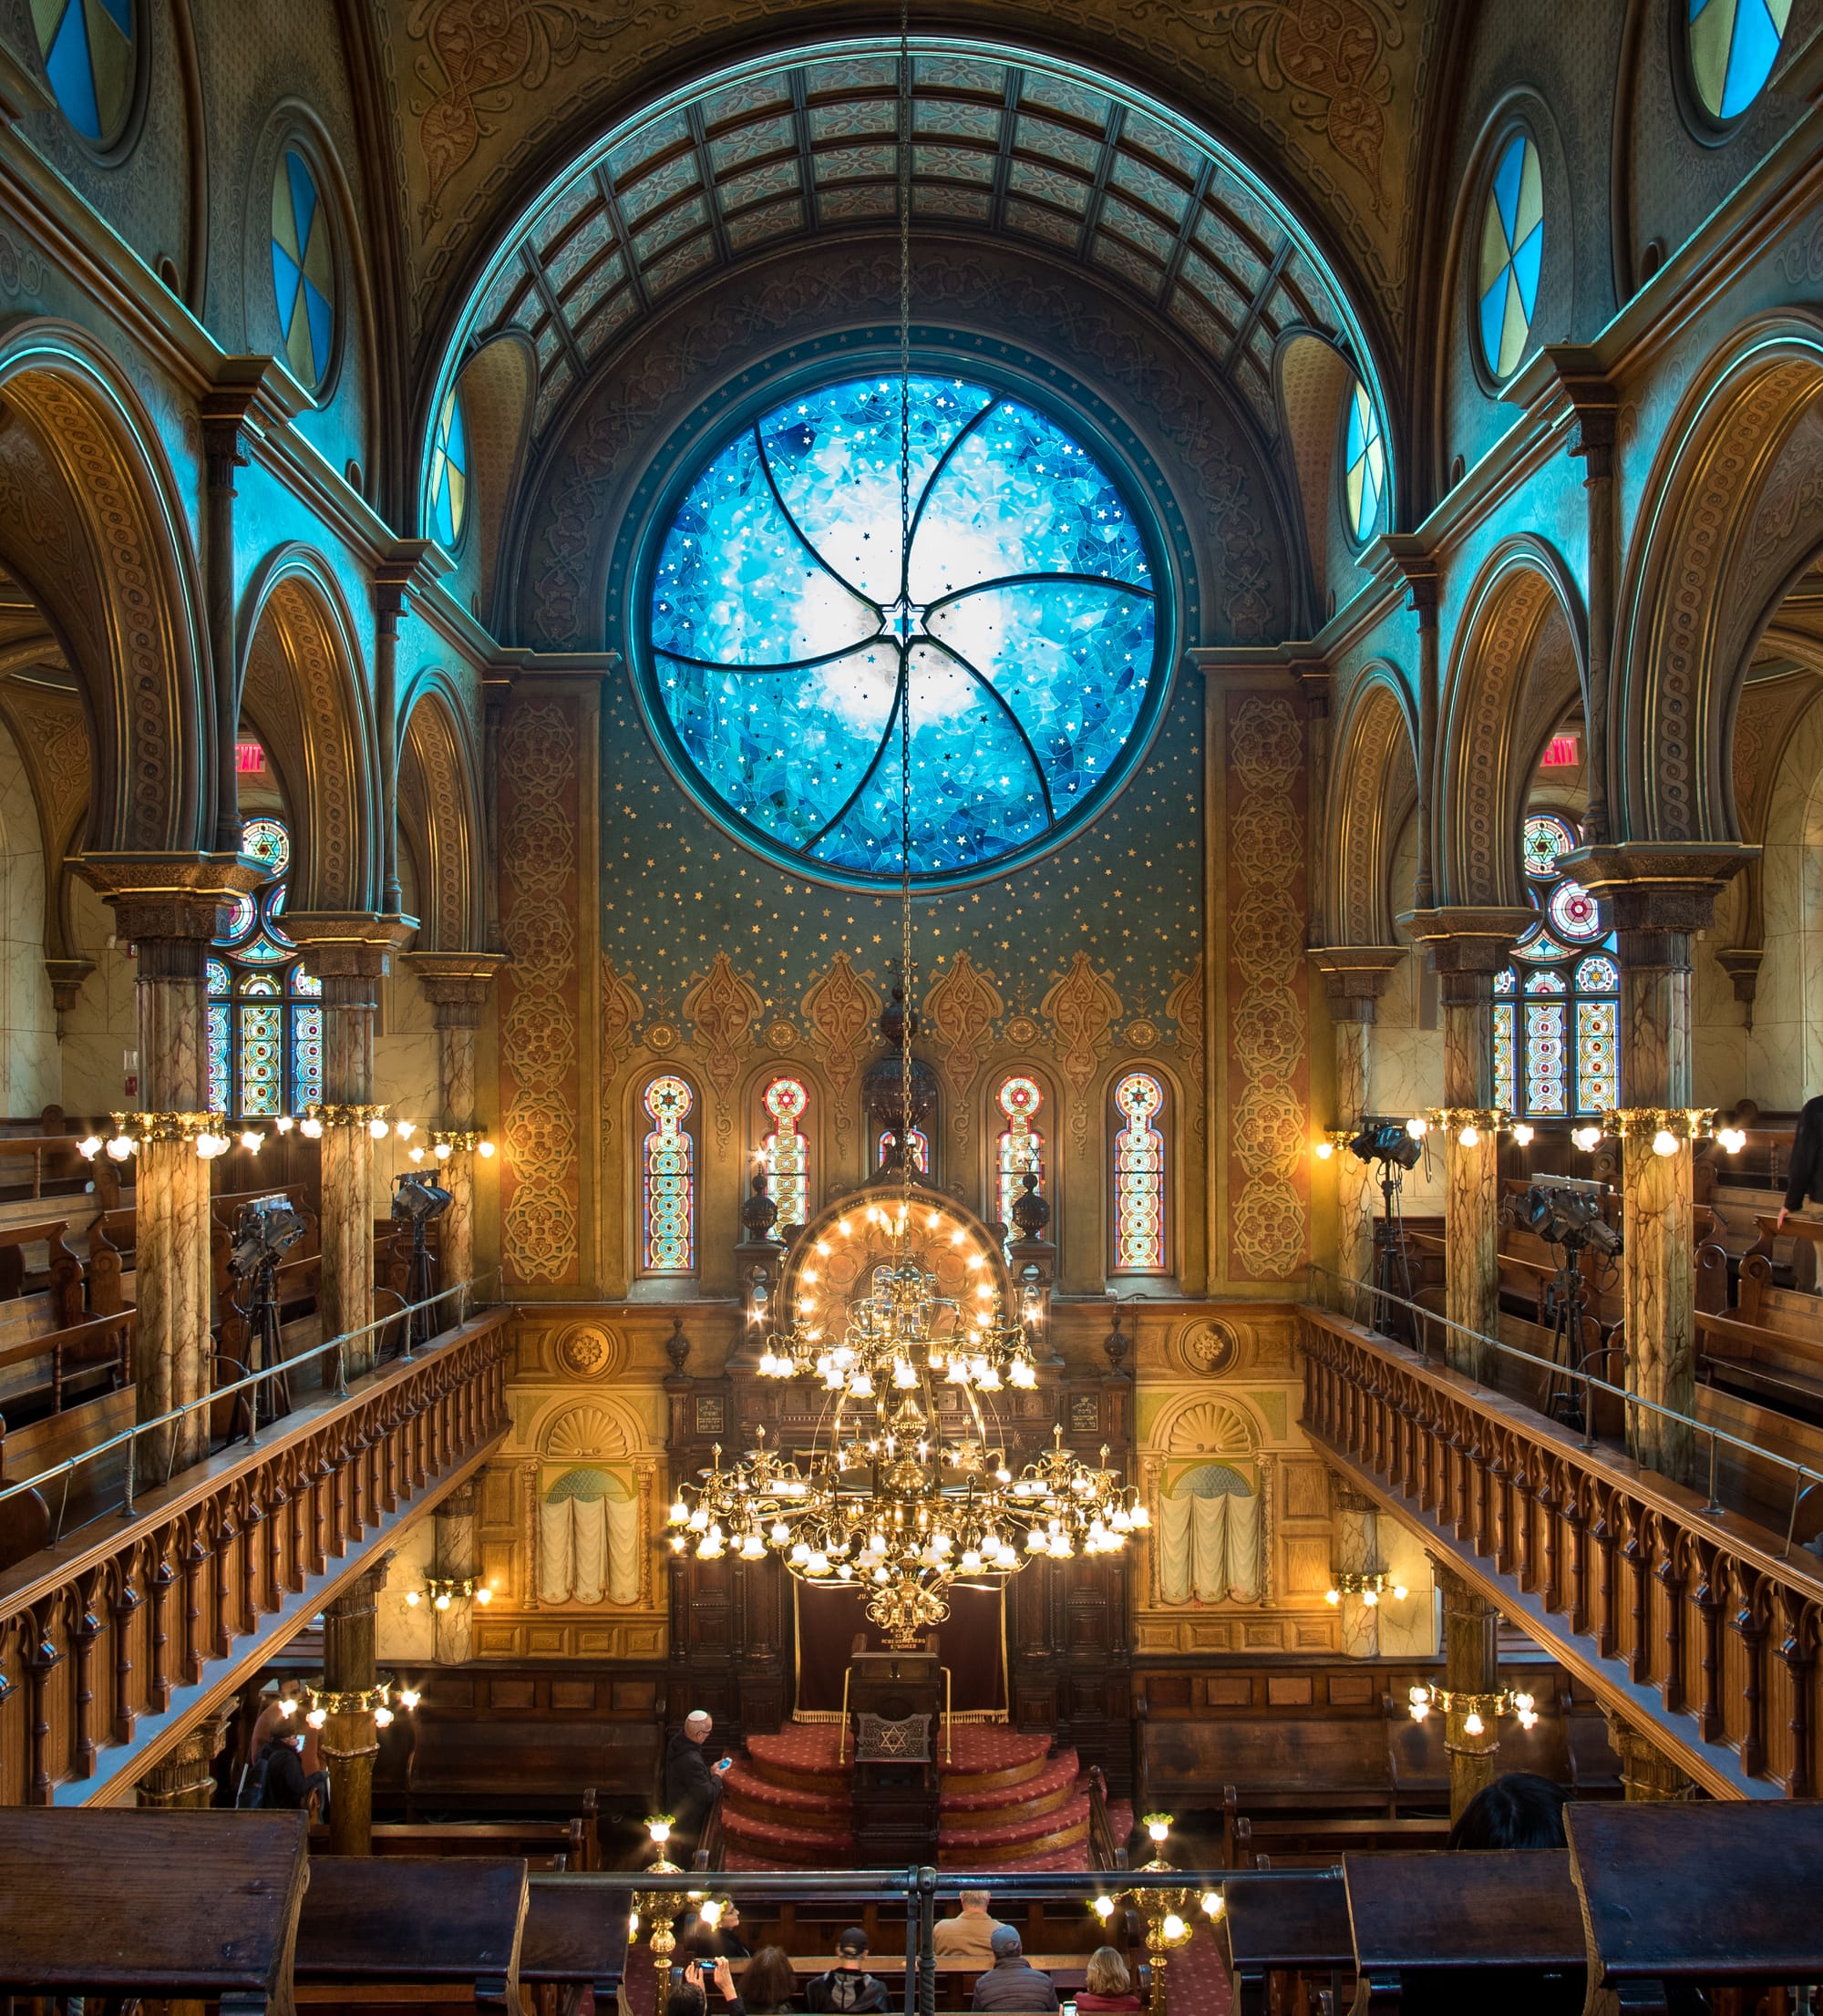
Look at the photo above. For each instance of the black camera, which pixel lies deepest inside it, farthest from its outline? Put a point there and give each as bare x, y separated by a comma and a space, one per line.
416, 1200
264, 1230
1569, 1214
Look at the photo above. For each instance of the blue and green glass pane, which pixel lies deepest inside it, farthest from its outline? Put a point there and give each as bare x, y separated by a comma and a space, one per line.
1139, 1177
88, 52
307, 1049
449, 473
304, 276
670, 1180
789, 625
220, 1080
1365, 465
1733, 44
1504, 1086
1512, 255
262, 1057
269, 844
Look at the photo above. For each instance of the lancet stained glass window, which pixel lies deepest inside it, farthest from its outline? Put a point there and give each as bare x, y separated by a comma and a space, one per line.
1733, 44
789, 626
1021, 1144
670, 1178
1512, 255
1557, 1008
1364, 465
1139, 1177
265, 1010
787, 1152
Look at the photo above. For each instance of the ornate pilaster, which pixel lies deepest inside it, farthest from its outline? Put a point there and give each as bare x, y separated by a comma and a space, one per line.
455, 984
350, 1741
349, 952
1355, 1523
185, 1776
170, 907
410, 563
1596, 404
1659, 898
1471, 1666
1418, 569
1466, 948
1355, 977
1647, 1773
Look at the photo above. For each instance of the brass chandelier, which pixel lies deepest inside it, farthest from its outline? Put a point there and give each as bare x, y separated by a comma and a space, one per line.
894, 1499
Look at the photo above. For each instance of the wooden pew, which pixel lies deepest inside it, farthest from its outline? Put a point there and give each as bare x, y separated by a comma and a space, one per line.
1276, 1764
1720, 1893
1296, 1930
1769, 1345
1513, 1921
420, 1932
475, 1760
545, 1844
107, 1902
1294, 1842
575, 1937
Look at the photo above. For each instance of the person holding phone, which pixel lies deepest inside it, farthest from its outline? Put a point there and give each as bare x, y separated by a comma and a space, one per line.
713, 1985
692, 1785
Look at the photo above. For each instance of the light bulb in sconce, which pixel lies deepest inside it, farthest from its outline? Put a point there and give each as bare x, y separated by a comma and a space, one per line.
1211, 1903
1324, 1149
417, 1153
442, 1599
1371, 1597
1586, 1138
1332, 1596
383, 1718
1470, 1137
317, 1717
409, 1697
288, 1706
412, 1599
1173, 1927
404, 1129
484, 1595
1472, 1724
378, 1129
1522, 1134
1664, 1142
119, 1147
1104, 1908
284, 1123
311, 1127
1732, 1139
1400, 1592
251, 1140
1417, 1127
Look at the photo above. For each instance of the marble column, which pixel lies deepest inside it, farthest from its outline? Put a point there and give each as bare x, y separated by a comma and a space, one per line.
169, 909
456, 1557
1647, 1773
1467, 947
350, 1739
1658, 898
1355, 977
349, 954
455, 984
1471, 1666
1355, 1524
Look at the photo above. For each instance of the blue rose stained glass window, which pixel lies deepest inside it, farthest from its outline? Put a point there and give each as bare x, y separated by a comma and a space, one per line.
789, 626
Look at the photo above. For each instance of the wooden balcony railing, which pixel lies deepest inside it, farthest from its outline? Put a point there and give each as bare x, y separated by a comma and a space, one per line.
1698, 1618
113, 1638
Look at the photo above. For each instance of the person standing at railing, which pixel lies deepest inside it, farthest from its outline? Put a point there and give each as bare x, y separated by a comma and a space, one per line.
1805, 1179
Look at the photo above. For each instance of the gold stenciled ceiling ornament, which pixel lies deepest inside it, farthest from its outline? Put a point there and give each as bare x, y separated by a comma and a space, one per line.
900, 1497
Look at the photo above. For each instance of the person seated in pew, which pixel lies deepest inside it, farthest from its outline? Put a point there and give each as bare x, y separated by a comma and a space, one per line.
712, 1984
769, 1985
1013, 1983
1109, 1990
969, 1935
848, 1985
713, 1933
1519, 1811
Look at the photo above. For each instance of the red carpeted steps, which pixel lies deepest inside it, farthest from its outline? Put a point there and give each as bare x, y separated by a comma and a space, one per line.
1007, 1800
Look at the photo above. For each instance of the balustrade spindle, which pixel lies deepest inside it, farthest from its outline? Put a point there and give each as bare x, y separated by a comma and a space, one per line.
1670, 1569
1709, 1588
1750, 1624
1639, 1660
85, 1627
125, 1601
163, 1578
42, 1657
196, 1557
1798, 1650
1607, 1596
1576, 1522
227, 1532
1549, 1586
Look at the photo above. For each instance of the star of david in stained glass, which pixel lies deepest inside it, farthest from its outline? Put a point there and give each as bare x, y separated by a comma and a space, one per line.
449, 473
303, 274
792, 625
88, 51
1512, 255
1733, 44
1365, 465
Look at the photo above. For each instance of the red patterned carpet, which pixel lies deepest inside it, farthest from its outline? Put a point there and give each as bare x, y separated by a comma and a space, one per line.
1008, 1802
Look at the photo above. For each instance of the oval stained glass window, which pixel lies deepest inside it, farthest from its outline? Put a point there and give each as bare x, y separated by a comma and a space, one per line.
1574, 913
1512, 255
89, 54
1364, 465
303, 271
792, 629
449, 474
1733, 44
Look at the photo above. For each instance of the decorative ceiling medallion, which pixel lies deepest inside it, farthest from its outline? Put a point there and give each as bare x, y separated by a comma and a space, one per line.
781, 1035
589, 1352
661, 1038
1142, 1035
1207, 1346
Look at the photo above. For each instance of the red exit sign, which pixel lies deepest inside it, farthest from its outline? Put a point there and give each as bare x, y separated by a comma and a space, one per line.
249, 759
1563, 751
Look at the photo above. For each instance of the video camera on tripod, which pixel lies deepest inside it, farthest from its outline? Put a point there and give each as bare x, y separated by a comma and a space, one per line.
1392, 1148
418, 1203
264, 1231
1568, 1213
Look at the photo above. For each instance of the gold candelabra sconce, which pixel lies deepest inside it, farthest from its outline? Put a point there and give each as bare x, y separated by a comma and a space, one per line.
1480, 1712
443, 1142
664, 1906
382, 1701
1372, 1589
1169, 1911
441, 1590
1330, 1140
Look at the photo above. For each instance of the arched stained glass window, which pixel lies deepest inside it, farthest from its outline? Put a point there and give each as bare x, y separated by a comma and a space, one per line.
670, 1215
1364, 465
265, 1011
1557, 1008
449, 473
303, 270
1021, 1145
1512, 255
1733, 44
1139, 1177
788, 627
89, 52
920, 1149
786, 1151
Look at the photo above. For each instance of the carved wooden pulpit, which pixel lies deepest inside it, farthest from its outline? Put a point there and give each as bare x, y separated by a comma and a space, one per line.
894, 1708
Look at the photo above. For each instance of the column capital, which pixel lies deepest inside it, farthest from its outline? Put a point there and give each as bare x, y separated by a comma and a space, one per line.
1468, 944
170, 895
348, 943
1664, 890
457, 983
1406, 555
1355, 976
409, 567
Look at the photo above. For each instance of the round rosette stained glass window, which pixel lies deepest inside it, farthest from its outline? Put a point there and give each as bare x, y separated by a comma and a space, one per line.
795, 633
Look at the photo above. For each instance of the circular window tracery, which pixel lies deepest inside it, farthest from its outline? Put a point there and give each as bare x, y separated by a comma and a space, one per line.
303, 270
1733, 45
790, 622
90, 50
1512, 255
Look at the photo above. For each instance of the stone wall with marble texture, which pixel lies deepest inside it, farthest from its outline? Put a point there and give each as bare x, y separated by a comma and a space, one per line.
103, 1025
30, 1072
1784, 1050
1405, 1057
